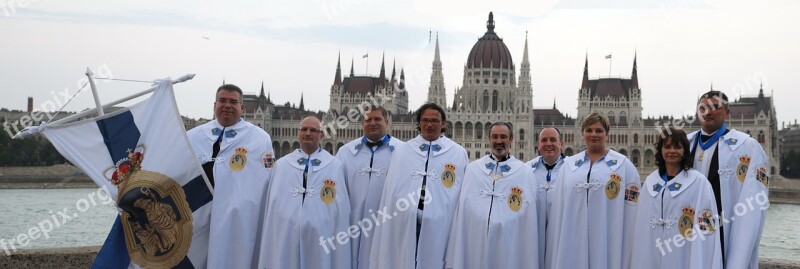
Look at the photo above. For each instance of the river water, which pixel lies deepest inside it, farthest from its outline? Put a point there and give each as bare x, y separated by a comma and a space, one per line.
83, 217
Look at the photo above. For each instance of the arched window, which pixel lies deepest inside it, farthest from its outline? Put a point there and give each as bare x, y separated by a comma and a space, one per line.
636, 138
458, 133
479, 131
468, 132
494, 100
485, 104
635, 157
521, 136
649, 158
611, 118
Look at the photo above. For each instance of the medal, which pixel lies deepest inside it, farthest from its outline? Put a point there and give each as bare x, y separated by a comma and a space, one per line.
701, 156
496, 176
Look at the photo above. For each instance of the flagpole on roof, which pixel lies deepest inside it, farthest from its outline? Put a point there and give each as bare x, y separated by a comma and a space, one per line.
90, 75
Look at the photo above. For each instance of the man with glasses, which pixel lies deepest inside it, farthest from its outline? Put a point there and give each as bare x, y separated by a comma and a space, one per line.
366, 161
495, 221
307, 219
419, 198
738, 170
237, 158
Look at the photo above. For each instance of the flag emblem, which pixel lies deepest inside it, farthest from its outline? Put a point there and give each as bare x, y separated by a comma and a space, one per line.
762, 176
632, 193
705, 222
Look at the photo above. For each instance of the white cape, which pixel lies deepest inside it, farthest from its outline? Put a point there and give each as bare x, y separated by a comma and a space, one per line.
495, 225
301, 225
365, 185
395, 243
664, 211
744, 173
544, 198
592, 221
238, 190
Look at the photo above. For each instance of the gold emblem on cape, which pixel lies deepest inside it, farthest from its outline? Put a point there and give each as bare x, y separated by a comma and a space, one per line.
239, 159
700, 158
515, 199
686, 222
328, 193
449, 175
156, 218
613, 186
741, 169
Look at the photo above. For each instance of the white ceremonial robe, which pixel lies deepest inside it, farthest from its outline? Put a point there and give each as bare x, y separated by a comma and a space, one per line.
744, 173
241, 175
395, 244
365, 174
664, 212
495, 222
544, 197
591, 223
306, 228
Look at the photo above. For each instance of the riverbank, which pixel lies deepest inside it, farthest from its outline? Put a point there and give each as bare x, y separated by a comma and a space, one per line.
82, 257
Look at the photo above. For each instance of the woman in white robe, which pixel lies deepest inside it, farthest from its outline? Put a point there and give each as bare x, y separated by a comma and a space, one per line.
676, 219
592, 218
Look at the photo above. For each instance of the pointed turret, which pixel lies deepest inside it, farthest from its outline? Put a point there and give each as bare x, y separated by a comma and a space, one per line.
302, 106
382, 77
394, 66
352, 74
402, 83
634, 75
337, 80
269, 97
262, 90
436, 89
554, 103
585, 82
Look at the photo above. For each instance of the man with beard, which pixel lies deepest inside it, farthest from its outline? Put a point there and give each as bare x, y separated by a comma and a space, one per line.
366, 161
545, 169
237, 157
307, 208
419, 197
737, 168
495, 223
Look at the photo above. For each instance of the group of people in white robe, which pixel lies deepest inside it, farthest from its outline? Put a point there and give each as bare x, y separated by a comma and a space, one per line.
384, 203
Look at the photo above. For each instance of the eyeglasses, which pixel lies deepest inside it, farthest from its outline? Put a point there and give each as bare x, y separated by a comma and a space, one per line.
312, 130
430, 121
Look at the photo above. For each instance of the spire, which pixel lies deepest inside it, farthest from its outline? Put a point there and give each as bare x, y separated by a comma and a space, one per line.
585, 82
525, 53
554, 103
223, 81
402, 83
269, 99
382, 77
436, 58
302, 107
490, 23
352, 74
262, 89
634, 75
394, 66
337, 80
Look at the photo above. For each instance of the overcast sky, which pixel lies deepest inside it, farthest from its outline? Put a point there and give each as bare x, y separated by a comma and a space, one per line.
683, 47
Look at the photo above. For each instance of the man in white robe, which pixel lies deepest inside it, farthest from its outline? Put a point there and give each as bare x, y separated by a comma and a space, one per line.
738, 170
495, 222
366, 161
545, 170
237, 157
430, 168
666, 209
308, 208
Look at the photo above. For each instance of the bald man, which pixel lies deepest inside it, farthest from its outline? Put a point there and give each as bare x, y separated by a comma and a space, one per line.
545, 170
308, 209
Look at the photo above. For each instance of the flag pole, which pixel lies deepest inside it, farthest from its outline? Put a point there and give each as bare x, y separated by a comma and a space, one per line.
90, 75
366, 71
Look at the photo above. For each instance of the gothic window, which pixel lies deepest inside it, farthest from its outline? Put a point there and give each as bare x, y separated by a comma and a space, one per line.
478, 131
648, 158
521, 136
468, 133
636, 138
611, 118
635, 158
494, 100
485, 104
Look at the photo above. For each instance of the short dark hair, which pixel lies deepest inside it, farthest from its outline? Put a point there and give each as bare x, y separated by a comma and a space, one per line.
503, 123
716, 95
384, 113
678, 138
433, 106
232, 88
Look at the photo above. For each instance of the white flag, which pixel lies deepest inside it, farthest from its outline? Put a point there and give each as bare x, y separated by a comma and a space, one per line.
141, 155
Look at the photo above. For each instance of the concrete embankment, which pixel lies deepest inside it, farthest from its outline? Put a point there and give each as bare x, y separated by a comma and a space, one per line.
82, 257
